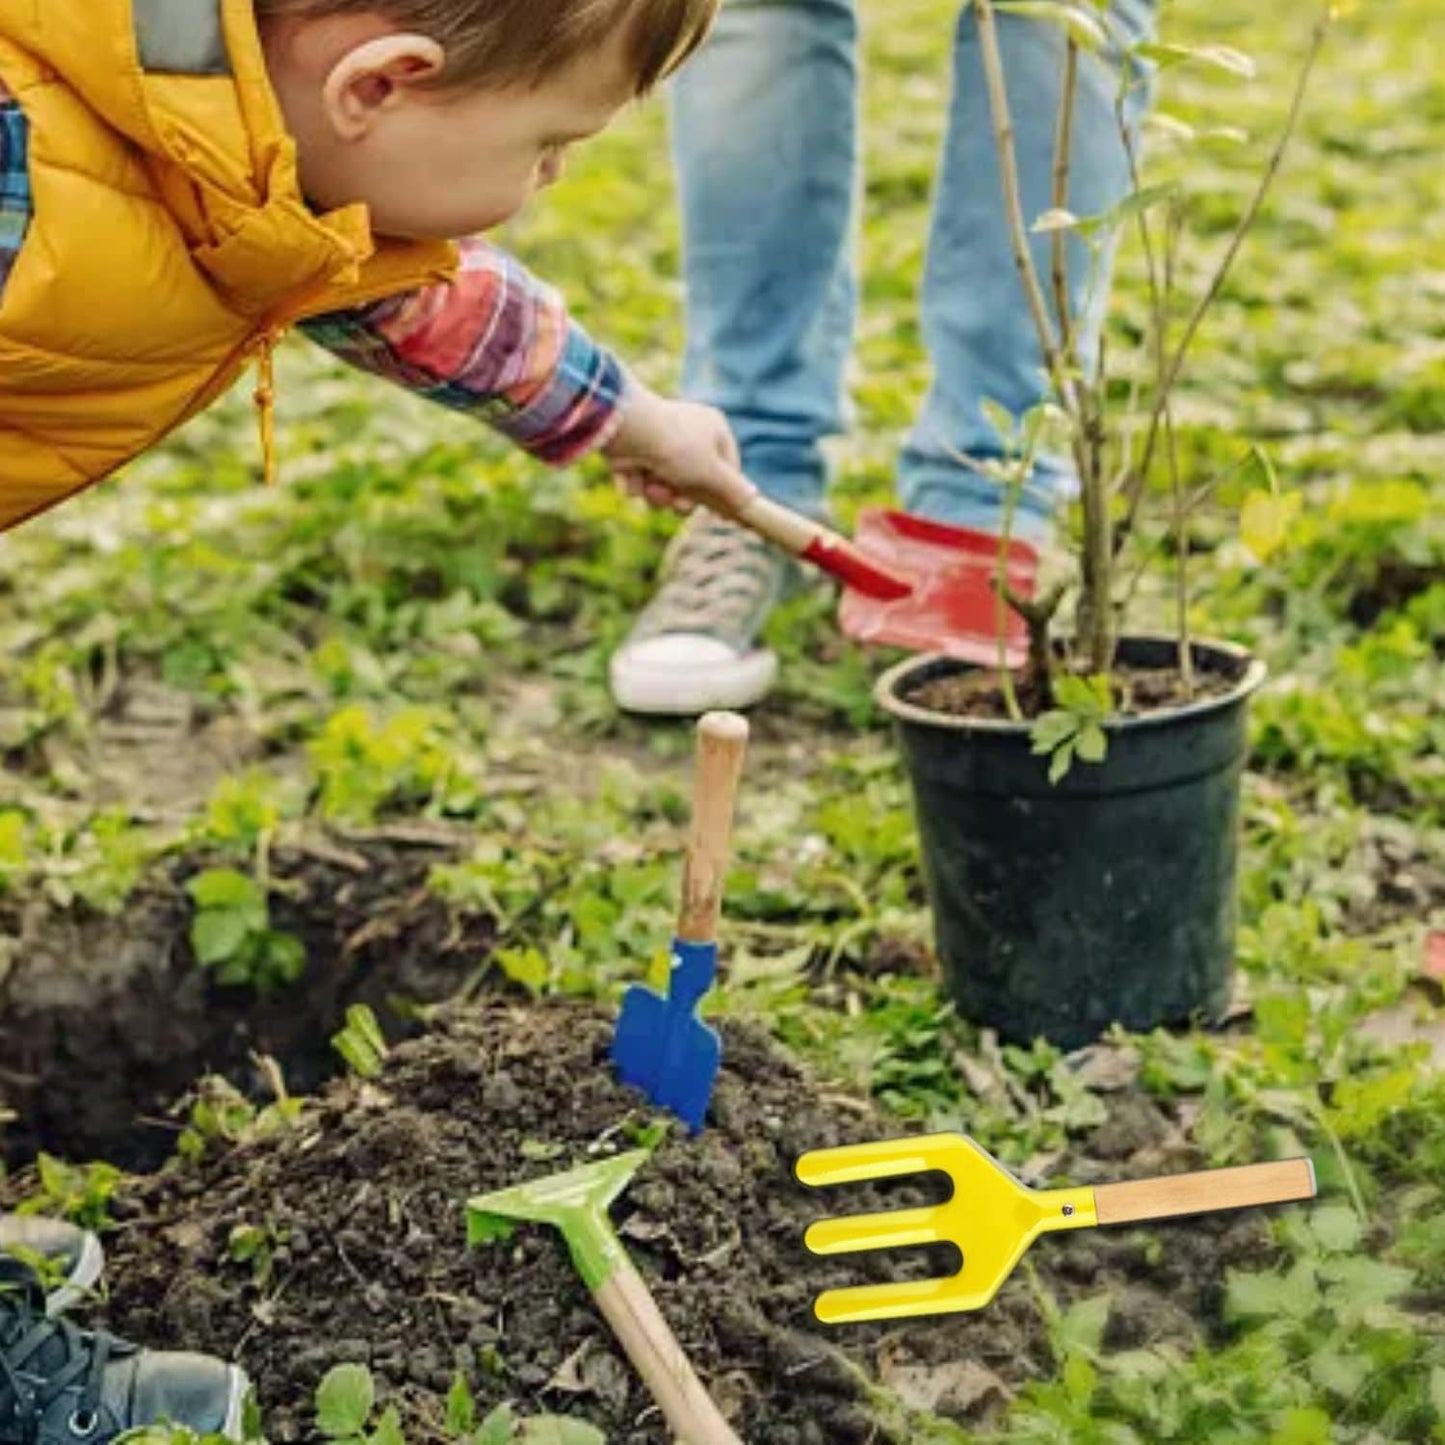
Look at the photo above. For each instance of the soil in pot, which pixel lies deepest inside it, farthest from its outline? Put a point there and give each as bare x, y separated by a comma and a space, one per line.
1138, 691
361, 1203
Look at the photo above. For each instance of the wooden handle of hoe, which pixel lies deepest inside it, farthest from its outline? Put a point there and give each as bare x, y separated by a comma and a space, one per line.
652, 1347
1200, 1193
722, 740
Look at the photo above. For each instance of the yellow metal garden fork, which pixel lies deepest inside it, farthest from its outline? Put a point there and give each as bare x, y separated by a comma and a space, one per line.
993, 1218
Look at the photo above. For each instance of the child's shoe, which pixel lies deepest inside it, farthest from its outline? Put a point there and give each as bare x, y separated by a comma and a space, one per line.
68, 1259
63, 1386
694, 648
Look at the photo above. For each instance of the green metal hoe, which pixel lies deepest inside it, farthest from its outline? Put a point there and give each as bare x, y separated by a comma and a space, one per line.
576, 1202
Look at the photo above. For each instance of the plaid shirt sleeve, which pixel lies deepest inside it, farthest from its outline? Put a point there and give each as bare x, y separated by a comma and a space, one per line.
495, 342
15, 202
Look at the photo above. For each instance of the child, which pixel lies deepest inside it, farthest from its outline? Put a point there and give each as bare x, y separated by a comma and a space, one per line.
180, 182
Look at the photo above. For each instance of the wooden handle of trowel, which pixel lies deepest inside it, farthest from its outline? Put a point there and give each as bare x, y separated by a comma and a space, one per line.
689, 1410
821, 546
722, 740
1210, 1189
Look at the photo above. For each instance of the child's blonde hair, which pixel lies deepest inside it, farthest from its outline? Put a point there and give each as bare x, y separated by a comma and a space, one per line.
505, 42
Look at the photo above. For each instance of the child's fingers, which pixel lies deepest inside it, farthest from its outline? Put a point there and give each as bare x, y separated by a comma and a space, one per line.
647, 488
730, 487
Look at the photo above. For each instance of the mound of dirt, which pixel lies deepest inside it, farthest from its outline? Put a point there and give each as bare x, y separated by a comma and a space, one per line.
359, 1212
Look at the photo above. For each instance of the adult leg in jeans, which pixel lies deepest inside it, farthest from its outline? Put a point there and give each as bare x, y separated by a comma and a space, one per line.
765, 136
976, 323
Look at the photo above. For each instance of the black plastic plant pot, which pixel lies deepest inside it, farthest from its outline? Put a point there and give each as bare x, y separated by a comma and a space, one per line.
1110, 896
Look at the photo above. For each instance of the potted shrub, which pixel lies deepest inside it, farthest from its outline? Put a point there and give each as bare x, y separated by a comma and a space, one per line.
1079, 817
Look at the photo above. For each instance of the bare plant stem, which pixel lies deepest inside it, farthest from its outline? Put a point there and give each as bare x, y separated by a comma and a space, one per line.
1096, 623
1160, 294
1181, 558
1038, 615
1063, 153
1005, 538
1003, 134
1193, 501
1170, 377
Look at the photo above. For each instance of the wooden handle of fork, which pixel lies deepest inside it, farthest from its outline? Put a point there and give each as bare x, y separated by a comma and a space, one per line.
1210, 1189
722, 741
691, 1413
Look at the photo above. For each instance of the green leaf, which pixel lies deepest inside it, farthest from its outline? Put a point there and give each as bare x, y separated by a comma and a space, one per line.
1437, 1389
524, 966
218, 934
1085, 697
1220, 57
1081, 1330
497, 1427
1062, 761
1080, 1379
1338, 1373
1289, 1296
1136, 203
1304, 1426
1082, 28
1360, 1281
12, 840
999, 417
388, 1429
1337, 1227
1265, 522
1052, 729
1092, 744
484, 1228
461, 1407
344, 1400
1170, 125
1055, 219
225, 888
361, 1043
559, 1430
284, 957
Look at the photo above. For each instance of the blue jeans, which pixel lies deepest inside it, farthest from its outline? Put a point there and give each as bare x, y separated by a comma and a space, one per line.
765, 131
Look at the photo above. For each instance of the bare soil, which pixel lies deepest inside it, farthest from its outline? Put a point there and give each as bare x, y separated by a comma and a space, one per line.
362, 1205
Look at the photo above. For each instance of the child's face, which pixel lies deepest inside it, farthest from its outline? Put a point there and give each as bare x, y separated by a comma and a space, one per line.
429, 163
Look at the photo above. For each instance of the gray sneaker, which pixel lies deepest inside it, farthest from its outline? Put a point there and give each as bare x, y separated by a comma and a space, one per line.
60, 1385
694, 647
67, 1259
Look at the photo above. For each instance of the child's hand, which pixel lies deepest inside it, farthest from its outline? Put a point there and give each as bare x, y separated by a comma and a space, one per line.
677, 454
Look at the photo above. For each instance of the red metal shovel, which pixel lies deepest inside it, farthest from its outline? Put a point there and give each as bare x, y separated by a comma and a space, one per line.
952, 607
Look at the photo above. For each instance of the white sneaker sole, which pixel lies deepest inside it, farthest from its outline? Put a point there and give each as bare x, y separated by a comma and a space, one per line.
81, 1280
236, 1405
687, 692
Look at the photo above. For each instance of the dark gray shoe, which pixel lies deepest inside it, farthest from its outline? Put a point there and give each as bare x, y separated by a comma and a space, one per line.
60, 1385
68, 1259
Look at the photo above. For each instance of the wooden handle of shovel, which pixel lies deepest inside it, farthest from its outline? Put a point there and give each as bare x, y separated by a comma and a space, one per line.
780, 525
1208, 1190
823, 547
636, 1321
722, 740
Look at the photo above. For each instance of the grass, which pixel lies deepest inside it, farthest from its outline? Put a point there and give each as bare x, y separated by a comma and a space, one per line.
416, 625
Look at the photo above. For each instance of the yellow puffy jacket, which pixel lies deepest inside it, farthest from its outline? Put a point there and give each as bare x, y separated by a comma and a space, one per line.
169, 243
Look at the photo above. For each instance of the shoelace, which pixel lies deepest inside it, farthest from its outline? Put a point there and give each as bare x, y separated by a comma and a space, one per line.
62, 1355
713, 582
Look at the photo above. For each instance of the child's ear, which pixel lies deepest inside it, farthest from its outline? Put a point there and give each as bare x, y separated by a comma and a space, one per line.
375, 75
